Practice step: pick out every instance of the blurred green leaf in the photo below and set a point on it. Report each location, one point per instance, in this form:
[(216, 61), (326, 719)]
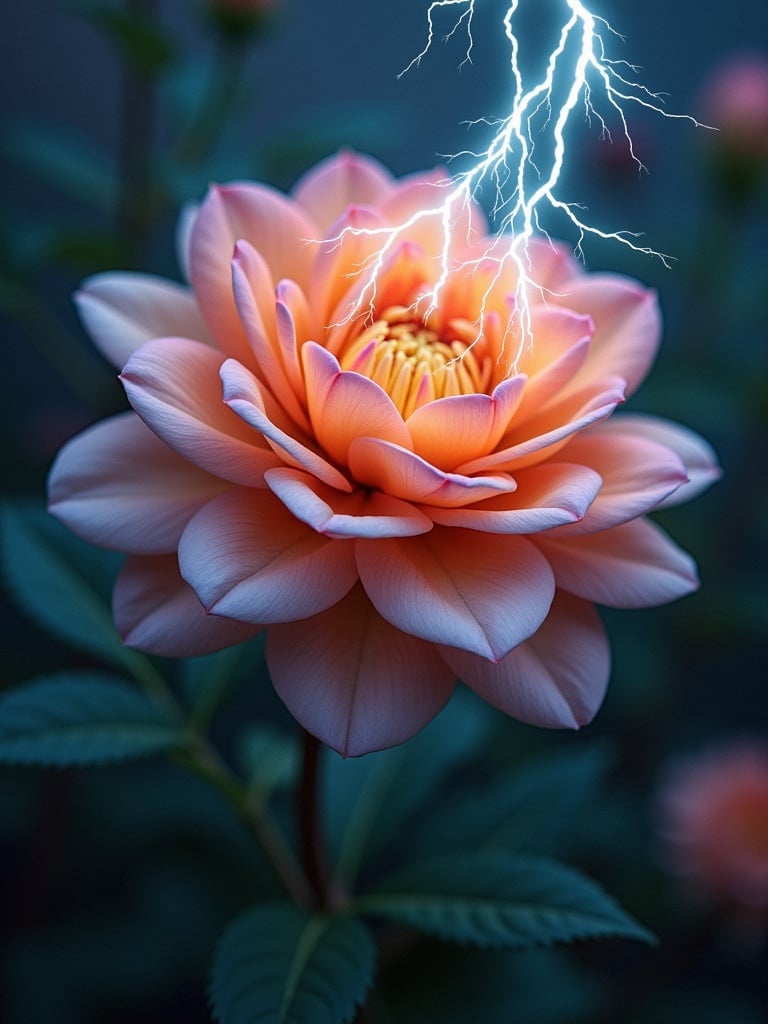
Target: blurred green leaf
[(269, 759), (207, 682), (278, 964), (135, 35), (81, 718), (499, 900)]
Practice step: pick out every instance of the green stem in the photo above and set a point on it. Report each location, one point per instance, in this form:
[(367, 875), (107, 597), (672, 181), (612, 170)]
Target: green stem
[(310, 832), (197, 142)]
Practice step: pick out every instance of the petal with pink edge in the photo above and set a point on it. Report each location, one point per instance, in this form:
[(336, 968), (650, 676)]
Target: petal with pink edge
[(698, 457), (248, 558), (344, 406), (120, 486), (556, 679), (173, 384), (183, 239), (403, 474), (346, 179), (272, 224), (353, 680), (334, 514), (631, 566), (548, 495), (157, 612), (243, 395), (123, 310), (484, 593)]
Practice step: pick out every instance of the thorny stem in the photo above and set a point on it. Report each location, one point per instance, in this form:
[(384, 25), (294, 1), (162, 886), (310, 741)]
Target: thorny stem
[(312, 847)]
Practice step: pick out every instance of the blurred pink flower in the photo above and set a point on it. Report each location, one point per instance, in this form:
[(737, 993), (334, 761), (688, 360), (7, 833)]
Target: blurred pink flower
[(714, 824), (735, 101), (387, 490)]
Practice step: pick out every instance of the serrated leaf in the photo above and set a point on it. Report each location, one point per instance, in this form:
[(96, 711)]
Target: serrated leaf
[(81, 718), (279, 964), (269, 759), (500, 900), (58, 580)]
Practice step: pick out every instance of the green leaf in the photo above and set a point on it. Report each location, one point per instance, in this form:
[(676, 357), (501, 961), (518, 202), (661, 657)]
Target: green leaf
[(81, 718), (137, 37), (500, 900), (269, 758), (278, 964), (62, 583)]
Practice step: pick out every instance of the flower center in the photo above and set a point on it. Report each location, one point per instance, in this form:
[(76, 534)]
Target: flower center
[(414, 363)]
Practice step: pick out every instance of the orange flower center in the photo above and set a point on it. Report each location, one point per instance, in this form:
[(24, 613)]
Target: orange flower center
[(416, 364)]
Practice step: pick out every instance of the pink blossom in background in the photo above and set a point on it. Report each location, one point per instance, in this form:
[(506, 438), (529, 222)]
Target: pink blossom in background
[(387, 490), (735, 101), (714, 824)]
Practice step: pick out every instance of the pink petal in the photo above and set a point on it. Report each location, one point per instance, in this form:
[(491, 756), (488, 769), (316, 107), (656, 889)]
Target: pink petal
[(424, 204), (354, 681), (548, 495), (401, 473), (627, 325), (334, 514), (346, 179), (560, 345), (123, 310), (157, 612), (272, 224), (344, 406), (243, 395), (556, 679), (631, 566), (120, 486), (698, 457), (454, 430), (173, 384), (248, 558), (294, 317), (481, 592), (184, 225)]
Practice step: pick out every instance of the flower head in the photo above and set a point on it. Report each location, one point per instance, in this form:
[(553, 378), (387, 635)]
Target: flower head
[(400, 490)]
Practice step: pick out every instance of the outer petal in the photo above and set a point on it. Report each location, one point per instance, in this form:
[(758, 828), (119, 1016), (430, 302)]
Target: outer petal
[(246, 557), (173, 384), (631, 566), (403, 474), (120, 486), (698, 457), (482, 593), (346, 179), (123, 310), (353, 680), (556, 679), (273, 224), (335, 514), (548, 495), (156, 611)]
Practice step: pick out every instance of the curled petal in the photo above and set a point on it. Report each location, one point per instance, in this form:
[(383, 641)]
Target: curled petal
[(560, 346), (346, 179), (173, 384), (247, 558), (482, 593), (556, 679), (120, 486), (335, 514), (374, 690), (184, 225), (631, 566), (123, 310), (548, 495), (157, 612)]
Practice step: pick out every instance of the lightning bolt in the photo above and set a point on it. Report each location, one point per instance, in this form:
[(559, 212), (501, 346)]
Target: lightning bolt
[(577, 71)]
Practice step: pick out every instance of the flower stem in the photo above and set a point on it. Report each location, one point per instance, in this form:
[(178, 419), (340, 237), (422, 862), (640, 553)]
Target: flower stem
[(312, 847)]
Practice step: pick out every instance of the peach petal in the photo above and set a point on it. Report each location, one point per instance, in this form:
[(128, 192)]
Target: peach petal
[(403, 474), (346, 179), (374, 690), (481, 592), (548, 495), (155, 611), (248, 559), (243, 395), (420, 203), (334, 514), (556, 679), (118, 485), (344, 406), (453, 430), (272, 224), (123, 310), (173, 384), (294, 317), (184, 225), (635, 565)]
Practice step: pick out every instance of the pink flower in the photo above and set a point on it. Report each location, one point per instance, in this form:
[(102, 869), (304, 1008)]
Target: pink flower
[(390, 493), (735, 101), (715, 824)]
